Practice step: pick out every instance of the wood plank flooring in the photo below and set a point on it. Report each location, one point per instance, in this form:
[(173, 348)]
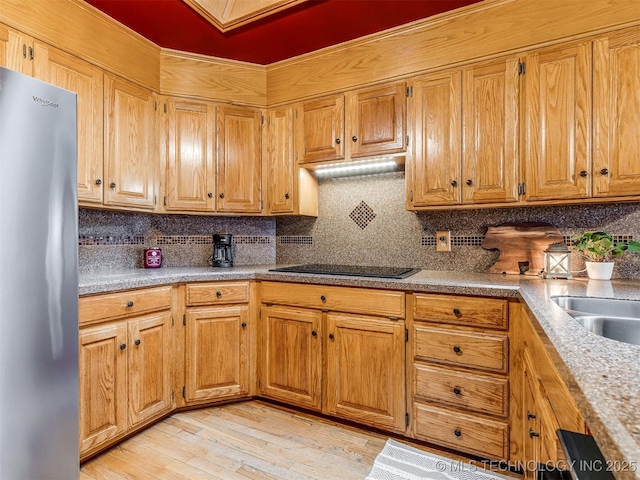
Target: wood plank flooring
[(240, 441)]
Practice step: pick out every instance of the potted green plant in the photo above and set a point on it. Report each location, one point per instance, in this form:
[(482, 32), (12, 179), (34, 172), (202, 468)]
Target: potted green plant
[(598, 250)]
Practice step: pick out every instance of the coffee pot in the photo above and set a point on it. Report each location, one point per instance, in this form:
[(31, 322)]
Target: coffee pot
[(222, 250)]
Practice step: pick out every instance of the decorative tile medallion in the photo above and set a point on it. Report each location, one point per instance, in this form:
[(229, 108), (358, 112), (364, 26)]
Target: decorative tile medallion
[(362, 215)]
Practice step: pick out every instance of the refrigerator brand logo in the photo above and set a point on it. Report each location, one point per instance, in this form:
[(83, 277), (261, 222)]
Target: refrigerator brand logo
[(45, 103)]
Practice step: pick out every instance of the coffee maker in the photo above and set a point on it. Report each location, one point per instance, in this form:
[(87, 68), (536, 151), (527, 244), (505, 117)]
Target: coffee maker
[(222, 251)]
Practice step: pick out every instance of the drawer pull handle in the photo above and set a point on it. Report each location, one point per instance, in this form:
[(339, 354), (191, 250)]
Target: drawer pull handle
[(457, 390), (457, 349), (137, 342), (323, 298), (533, 434), (530, 415), (331, 336), (123, 346), (456, 312), (314, 333), (457, 433), (244, 325), (218, 294), (129, 304)]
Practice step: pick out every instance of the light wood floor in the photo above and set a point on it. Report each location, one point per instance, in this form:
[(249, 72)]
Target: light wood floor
[(240, 441)]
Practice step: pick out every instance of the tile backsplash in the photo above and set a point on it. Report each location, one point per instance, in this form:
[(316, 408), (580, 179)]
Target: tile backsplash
[(384, 233)]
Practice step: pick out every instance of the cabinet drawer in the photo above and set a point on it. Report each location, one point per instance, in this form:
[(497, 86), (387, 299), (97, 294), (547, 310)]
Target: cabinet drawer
[(467, 349), (121, 304), (217, 293), (476, 312), (341, 299), (465, 433), (478, 393)]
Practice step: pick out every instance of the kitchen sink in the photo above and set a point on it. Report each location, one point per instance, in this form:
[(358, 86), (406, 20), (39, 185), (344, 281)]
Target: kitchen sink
[(615, 319)]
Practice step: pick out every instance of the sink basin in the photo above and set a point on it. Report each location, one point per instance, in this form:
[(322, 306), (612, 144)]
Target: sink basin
[(615, 319)]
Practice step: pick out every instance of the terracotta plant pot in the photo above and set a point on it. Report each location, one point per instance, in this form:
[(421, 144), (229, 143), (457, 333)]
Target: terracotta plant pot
[(600, 270)]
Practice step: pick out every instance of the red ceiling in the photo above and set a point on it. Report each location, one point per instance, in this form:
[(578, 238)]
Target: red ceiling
[(306, 27)]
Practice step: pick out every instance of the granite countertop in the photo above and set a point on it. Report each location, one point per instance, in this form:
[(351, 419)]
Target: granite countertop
[(602, 375)]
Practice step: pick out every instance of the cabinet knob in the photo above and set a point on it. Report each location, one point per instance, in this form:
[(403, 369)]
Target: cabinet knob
[(469, 182), (457, 433), (583, 173), (286, 195), (218, 294), (98, 182), (454, 183), (244, 325), (112, 185), (338, 141), (457, 390), (210, 195), (314, 333), (129, 304), (331, 336), (354, 138), (533, 434), (604, 171), (530, 415), (456, 349), (137, 342), (222, 195), (123, 346), (456, 312), (323, 298)]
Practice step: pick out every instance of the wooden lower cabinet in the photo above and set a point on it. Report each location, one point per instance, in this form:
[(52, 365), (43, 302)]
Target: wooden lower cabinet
[(291, 369), (217, 353), (125, 376)]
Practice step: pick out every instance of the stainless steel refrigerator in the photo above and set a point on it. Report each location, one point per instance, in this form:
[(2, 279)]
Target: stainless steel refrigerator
[(38, 280)]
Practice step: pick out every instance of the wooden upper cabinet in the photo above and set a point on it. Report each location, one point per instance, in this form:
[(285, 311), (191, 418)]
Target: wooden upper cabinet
[(149, 366), (616, 109), (558, 122), (319, 130), (365, 370), (239, 144), (16, 50), (434, 158), (190, 141), (376, 120), (130, 160), (66, 71), (490, 132), (281, 167)]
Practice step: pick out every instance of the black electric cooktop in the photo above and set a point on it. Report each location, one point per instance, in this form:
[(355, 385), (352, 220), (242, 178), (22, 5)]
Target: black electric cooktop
[(354, 270)]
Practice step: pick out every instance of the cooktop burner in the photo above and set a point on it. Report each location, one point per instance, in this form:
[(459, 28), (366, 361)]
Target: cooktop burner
[(354, 270)]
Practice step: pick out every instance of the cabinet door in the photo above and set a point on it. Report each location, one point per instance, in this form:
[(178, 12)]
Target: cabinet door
[(558, 122), (149, 348), (66, 71), (16, 51), (531, 416), (365, 370), (435, 155), (320, 130), (292, 356), (376, 119), (129, 160), (239, 159), (490, 131), (217, 353), (190, 166), (282, 184), (616, 108), (103, 383)]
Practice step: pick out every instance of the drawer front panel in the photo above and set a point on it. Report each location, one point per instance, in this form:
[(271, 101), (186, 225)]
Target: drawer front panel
[(217, 293), (123, 304), (340, 299), (475, 312), (465, 433), (467, 349), (474, 392)]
